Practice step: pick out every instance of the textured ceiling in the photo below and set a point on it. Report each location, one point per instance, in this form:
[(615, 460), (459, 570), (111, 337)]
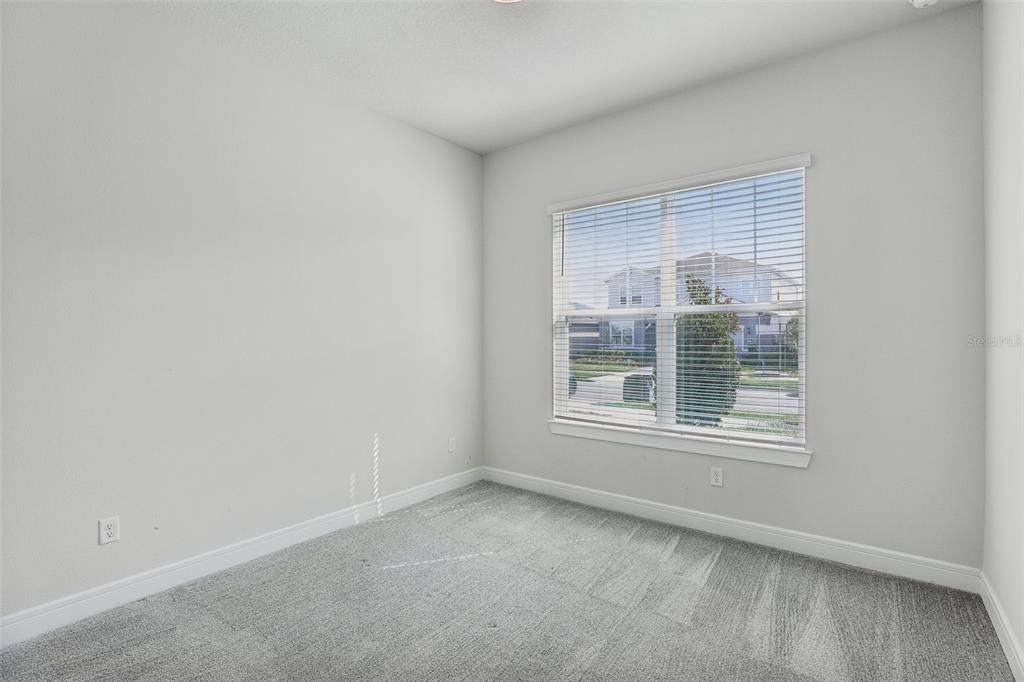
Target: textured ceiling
[(486, 75)]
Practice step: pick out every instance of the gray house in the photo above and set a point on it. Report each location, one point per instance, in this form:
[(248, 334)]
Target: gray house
[(635, 337), (742, 281)]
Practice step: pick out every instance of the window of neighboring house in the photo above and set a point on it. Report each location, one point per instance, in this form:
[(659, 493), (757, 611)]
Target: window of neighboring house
[(621, 333), (722, 254)]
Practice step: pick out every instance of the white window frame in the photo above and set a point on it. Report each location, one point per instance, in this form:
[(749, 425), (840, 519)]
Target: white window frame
[(718, 446)]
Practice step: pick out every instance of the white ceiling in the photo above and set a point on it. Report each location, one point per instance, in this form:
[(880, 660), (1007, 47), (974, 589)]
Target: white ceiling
[(486, 75)]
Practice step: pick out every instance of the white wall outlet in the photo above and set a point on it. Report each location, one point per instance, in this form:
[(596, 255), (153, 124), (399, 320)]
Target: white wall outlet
[(451, 443), (110, 530), (717, 479)]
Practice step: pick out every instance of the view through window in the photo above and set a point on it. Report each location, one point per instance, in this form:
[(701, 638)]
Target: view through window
[(684, 311)]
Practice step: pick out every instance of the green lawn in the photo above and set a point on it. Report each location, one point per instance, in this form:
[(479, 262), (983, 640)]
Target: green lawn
[(634, 406), (765, 416), (760, 422), (769, 423), (589, 370)]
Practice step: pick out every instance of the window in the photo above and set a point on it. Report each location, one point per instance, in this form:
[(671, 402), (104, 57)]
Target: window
[(712, 343), (621, 333)]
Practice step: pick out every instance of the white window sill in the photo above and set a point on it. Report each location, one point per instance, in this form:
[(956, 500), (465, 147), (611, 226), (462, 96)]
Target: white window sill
[(751, 452)]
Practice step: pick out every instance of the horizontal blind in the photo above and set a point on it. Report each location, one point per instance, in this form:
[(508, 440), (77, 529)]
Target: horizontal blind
[(684, 311)]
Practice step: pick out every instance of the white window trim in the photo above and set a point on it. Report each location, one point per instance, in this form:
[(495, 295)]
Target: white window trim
[(767, 453)]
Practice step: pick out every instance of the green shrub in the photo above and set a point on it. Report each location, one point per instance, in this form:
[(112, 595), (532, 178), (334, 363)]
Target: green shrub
[(637, 388)]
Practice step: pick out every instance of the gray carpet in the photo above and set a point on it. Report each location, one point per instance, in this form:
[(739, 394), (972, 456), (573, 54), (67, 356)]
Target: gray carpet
[(490, 582)]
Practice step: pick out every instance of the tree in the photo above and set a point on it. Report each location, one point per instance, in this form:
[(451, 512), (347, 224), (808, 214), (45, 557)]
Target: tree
[(707, 371), (792, 337)]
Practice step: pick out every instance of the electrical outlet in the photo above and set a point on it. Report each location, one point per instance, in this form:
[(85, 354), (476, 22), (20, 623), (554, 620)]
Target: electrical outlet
[(717, 479), (110, 530), (451, 443)]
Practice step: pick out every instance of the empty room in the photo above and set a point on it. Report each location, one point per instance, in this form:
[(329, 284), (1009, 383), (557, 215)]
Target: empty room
[(480, 340)]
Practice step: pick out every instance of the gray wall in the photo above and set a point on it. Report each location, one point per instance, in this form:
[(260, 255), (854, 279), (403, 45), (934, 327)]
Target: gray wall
[(1004, 222), (219, 283), (895, 277)]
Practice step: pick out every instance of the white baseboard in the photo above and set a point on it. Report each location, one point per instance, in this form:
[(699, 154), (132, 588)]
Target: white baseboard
[(1011, 645), (45, 617), (956, 576), (921, 568)]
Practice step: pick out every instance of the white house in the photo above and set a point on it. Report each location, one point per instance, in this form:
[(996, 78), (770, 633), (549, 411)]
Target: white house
[(740, 280)]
